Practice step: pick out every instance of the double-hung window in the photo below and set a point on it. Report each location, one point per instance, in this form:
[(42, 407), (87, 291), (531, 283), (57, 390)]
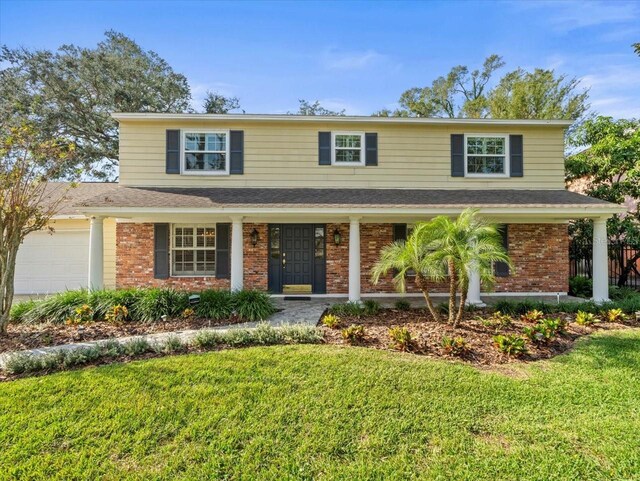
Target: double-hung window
[(205, 152), (193, 250), (486, 155), (347, 148)]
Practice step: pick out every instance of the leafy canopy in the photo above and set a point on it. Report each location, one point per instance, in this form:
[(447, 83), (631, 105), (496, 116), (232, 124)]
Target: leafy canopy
[(71, 93), (216, 103), (308, 108)]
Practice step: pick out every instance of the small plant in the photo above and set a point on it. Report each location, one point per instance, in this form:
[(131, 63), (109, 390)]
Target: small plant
[(402, 305), (137, 346), (371, 307), (353, 334), (511, 344), (82, 315), (401, 338), (188, 313), (353, 309), (614, 315), (170, 345), (545, 330), (331, 321), (454, 346), (214, 305), (117, 314), (253, 305), (498, 320), (532, 316), (585, 318), (580, 286)]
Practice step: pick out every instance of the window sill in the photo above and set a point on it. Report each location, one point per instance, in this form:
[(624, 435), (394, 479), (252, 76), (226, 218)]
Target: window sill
[(206, 174), (487, 176), (344, 164)]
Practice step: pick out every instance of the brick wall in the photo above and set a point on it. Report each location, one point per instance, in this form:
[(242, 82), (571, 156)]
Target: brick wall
[(539, 252)]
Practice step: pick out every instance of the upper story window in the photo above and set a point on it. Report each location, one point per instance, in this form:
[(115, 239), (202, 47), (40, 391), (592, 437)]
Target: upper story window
[(205, 152), (486, 155), (193, 250), (347, 148)]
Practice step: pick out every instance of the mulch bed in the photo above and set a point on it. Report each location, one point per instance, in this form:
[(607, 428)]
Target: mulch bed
[(31, 336), (427, 335)]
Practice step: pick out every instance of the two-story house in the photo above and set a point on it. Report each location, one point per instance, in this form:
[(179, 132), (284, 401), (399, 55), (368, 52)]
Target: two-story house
[(303, 205)]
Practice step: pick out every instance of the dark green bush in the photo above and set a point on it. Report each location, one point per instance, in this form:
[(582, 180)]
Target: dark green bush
[(57, 308), (371, 307), (214, 304), (252, 305), (155, 303), (580, 286), (403, 305), (347, 309), (21, 309)]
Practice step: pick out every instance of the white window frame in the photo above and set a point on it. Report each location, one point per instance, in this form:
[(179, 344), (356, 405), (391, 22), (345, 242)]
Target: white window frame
[(363, 151), (173, 248), (507, 163), (183, 151)]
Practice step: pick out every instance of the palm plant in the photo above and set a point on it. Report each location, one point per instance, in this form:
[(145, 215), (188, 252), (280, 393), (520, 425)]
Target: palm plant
[(456, 247), (403, 257)]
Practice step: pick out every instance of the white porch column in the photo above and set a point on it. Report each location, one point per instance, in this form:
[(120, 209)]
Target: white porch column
[(96, 253), (237, 255), (473, 292), (354, 259), (600, 261)]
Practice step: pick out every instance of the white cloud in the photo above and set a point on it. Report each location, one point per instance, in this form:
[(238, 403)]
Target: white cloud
[(332, 59)]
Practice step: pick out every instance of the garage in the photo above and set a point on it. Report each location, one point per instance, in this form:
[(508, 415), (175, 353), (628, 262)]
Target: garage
[(50, 263)]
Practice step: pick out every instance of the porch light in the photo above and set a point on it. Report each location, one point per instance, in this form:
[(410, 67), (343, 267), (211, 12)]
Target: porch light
[(254, 237), (337, 237)]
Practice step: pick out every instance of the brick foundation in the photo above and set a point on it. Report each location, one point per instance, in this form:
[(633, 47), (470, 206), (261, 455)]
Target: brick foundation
[(539, 252)]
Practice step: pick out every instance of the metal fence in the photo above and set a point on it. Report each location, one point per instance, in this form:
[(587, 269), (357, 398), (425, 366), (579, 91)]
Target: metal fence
[(624, 262)]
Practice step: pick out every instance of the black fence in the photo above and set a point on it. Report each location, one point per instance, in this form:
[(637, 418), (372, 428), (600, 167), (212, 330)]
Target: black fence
[(624, 262)]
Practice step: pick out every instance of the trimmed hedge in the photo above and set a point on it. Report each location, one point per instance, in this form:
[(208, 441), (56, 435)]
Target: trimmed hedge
[(145, 305)]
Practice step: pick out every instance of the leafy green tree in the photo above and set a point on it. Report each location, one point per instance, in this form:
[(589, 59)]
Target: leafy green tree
[(307, 108), (460, 93), (636, 48), (27, 200), (609, 165), (215, 103), (71, 93), (537, 95), (459, 246)]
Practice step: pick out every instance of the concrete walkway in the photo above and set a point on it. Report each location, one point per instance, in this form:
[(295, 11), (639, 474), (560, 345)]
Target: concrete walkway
[(290, 312)]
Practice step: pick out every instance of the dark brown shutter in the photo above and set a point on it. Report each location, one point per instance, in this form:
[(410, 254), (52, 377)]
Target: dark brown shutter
[(161, 251), (173, 152), (457, 155), (324, 148), (236, 143), (223, 251), (399, 232), (501, 269), (516, 158), (371, 149)]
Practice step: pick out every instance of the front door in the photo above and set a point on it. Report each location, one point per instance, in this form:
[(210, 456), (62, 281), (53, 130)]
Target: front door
[(296, 258)]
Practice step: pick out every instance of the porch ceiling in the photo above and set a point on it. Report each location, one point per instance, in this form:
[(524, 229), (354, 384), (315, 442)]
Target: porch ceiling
[(274, 202)]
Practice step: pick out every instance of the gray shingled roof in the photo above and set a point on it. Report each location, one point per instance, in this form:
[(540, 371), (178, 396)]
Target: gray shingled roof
[(143, 197), (75, 195)]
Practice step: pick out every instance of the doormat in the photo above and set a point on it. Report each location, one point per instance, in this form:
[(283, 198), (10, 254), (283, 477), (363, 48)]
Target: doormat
[(297, 298)]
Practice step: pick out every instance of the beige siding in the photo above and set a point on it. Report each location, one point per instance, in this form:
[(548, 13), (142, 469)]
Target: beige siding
[(285, 154), (109, 265)]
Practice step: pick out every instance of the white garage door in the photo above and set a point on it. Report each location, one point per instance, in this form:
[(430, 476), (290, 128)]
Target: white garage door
[(51, 263)]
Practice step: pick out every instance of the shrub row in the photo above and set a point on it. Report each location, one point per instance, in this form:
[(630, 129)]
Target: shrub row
[(629, 305), (145, 305), (64, 359)]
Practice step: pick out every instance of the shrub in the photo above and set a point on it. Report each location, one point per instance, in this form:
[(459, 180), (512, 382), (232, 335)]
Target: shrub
[(585, 318), (621, 293), (402, 305), (252, 305), (454, 346), (214, 304), (331, 321), (443, 308), (497, 320), (302, 334), (57, 308), (401, 338), (347, 309), (136, 346), (510, 344), (170, 345), (614, 315), (188, 313), (545, 330), (20, 310), (518, 308), (532, 316), (82, 315), (353, 334), (208, 339), (371, 307), (580, 286), (155, 303), (117, 314)]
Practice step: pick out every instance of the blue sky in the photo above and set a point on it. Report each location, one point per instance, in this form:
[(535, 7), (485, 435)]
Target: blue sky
[(359, 56)]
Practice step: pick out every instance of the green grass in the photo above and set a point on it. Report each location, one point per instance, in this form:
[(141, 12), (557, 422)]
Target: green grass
[(324, 412)]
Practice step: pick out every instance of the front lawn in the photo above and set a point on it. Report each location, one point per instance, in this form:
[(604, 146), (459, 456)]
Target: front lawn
[(326, 412)]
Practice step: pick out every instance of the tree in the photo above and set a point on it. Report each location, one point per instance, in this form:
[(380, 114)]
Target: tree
[(459, 94), (609, 165), (72, 92), (403, 257), (27, 201), (537, 95), (215, 103), (636, 48), (307, 108), (460, 246)]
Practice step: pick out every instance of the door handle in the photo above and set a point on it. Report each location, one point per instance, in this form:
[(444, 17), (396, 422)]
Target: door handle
[(284, 262)]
